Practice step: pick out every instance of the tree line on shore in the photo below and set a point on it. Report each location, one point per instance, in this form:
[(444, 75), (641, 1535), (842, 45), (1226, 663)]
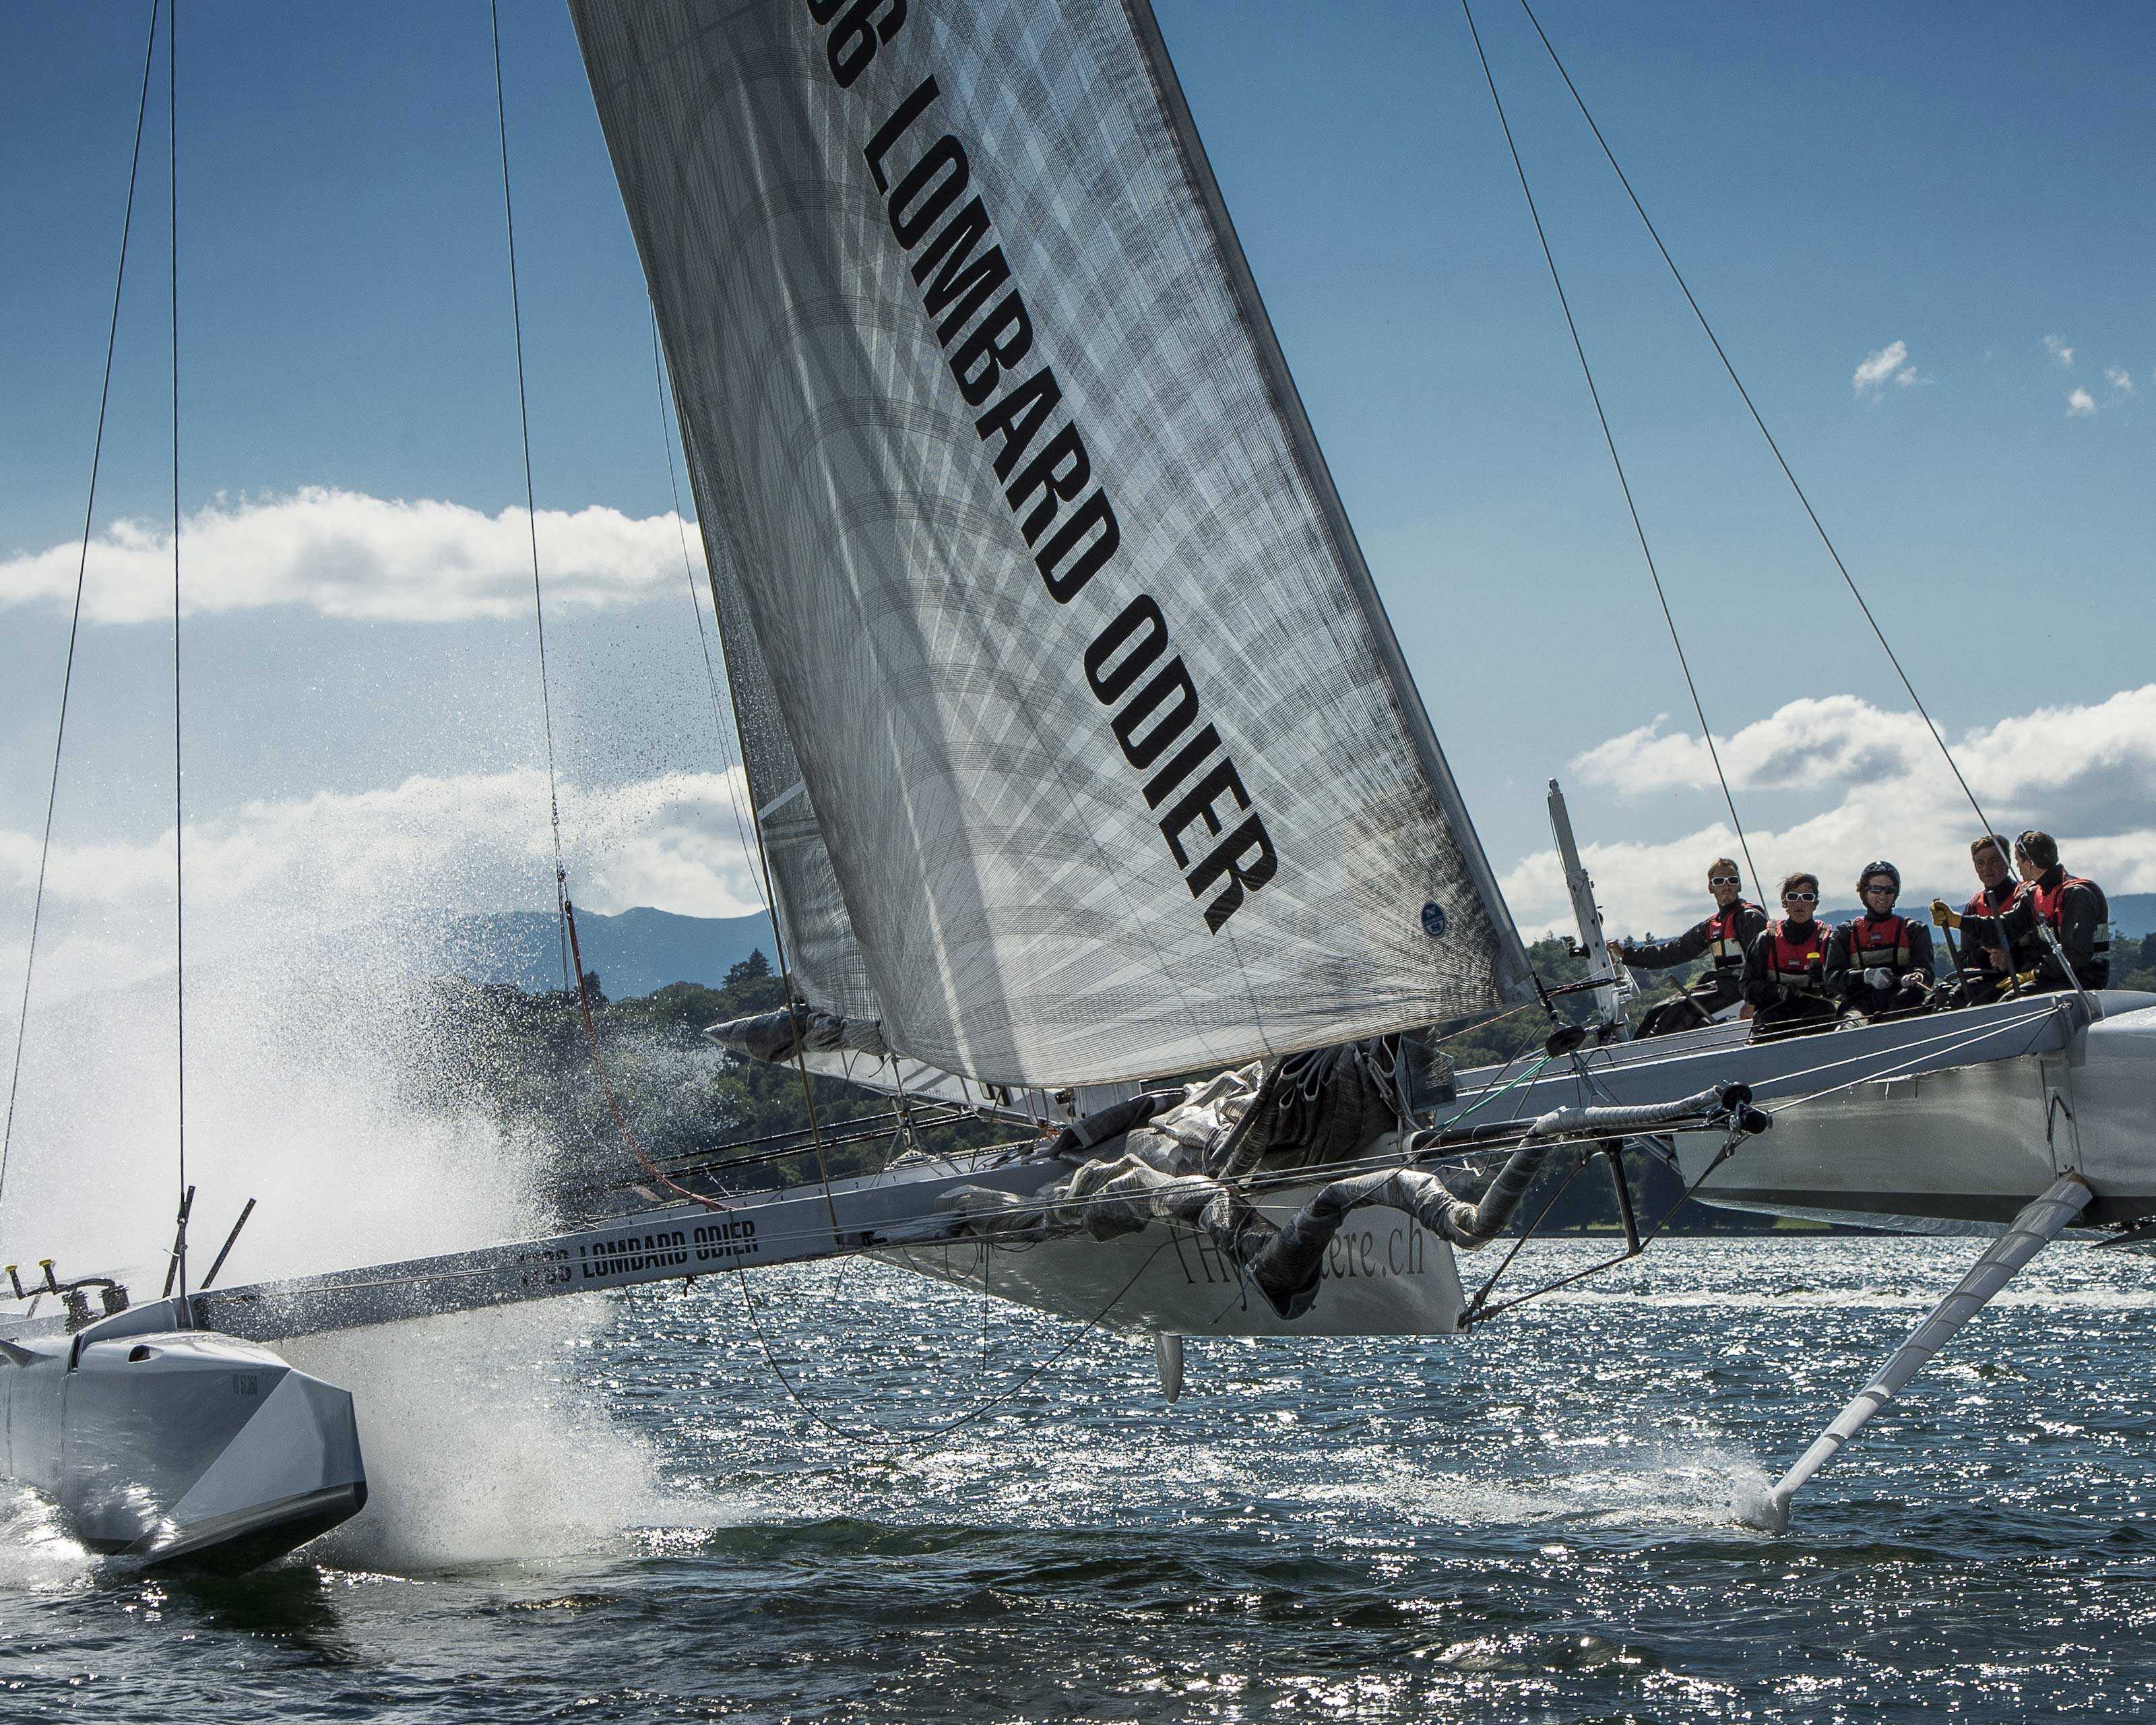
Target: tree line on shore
[(524, 1059)]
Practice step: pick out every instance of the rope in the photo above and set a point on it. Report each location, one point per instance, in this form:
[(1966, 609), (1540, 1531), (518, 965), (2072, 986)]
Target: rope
[(762, 859), (606, 1083), (1632, 506), (696, 608), (81, 574), (531, 514), (1930, 1047), (1818, 527), (179, 801)]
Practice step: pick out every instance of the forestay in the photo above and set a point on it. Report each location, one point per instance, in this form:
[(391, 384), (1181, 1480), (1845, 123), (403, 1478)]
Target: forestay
[(1114, 762)]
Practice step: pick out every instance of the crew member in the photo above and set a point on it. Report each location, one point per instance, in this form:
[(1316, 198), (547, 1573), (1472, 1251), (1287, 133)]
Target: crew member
[(1786, 966), (2074, 910), (1722, 937), (1882, 963), (1985, 971)]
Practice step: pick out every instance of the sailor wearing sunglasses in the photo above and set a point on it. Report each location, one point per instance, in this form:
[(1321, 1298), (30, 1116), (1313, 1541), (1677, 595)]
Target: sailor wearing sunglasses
[(1785, 970), (1724, 937), (1882, 963)]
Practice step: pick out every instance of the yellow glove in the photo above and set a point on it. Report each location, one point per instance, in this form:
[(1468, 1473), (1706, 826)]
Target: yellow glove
[(1944, 914)]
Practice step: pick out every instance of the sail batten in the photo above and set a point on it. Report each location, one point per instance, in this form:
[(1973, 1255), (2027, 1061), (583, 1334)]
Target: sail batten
[(1086, 750)]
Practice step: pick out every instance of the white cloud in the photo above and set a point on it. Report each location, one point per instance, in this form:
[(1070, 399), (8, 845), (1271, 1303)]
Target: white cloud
[(2086, 773), (2120, 379), (344, 554), (315, 865), (2079, 404), (2058, 350), (1890, 364)]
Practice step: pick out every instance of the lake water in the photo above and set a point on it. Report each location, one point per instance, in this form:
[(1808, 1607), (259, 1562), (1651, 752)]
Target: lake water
[(615, 1511)]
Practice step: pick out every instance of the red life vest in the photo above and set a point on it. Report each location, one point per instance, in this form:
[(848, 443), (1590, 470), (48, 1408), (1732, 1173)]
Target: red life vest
[(2050, 904), (1981, 903), (1883, 945), (1800, 965), (1722, 945), (2051, 901)]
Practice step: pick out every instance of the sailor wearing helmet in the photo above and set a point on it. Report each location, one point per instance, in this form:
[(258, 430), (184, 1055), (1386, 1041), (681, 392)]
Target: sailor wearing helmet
[(1882, 961)]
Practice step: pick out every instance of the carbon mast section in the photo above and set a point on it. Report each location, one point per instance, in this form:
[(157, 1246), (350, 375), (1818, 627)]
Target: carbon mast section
[(1081, 748)]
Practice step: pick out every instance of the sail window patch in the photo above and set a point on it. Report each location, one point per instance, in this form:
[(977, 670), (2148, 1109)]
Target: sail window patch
[(982, 323)]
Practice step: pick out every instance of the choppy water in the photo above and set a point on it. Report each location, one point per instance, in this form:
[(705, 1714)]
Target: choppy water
[(615, 1512)]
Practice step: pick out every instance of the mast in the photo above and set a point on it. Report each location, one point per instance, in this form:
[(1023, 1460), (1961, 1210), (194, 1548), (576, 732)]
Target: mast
[(1580, 886)]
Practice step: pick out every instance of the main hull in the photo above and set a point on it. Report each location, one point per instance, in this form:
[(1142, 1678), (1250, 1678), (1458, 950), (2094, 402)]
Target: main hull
[(1383, 1275)]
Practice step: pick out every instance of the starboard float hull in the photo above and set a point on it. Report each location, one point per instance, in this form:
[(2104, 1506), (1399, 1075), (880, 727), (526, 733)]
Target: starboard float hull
[(179, 1447), (1961, 1117)]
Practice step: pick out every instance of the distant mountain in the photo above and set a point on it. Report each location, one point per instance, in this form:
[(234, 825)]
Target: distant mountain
[(636, 952), (640, 952)]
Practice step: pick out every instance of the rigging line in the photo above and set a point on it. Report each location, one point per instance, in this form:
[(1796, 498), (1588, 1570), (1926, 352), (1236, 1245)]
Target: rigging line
[(882, 1436), (606, 1083), (1932, 1047), (1609, 439), (1818, 527), (688, 569), (531, 513), (81, 574), (763, 857), (179, 802)]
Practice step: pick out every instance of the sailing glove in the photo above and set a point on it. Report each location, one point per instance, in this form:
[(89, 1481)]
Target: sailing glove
[(1876, 978), (1944, 914)]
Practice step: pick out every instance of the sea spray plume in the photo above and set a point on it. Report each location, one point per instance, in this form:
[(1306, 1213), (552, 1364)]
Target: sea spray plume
[(307, 1069), (486, 1443), (315, 1088)]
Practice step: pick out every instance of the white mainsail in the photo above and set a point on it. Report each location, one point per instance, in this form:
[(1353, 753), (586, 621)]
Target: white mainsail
[(1107, 761)]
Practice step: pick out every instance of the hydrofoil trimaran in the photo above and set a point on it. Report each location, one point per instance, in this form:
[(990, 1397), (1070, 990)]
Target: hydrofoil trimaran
[(1082, 753)]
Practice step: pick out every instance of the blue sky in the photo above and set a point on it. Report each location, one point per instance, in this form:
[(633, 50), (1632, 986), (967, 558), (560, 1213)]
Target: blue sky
[(1966, 181)]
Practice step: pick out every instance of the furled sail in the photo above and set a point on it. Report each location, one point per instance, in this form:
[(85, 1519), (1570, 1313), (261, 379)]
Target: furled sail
[(1114, 762)]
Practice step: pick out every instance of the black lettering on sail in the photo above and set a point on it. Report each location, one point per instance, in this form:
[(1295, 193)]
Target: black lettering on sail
[(961, 285), (1111, 677), (1002, 338), (1088, 537), (1246, 857), (1164, 783), (931, 187), (893, 129), (1018, 416), (1223, 781), (1173, 687), (866, 26), (1059, 472), (968, 293)]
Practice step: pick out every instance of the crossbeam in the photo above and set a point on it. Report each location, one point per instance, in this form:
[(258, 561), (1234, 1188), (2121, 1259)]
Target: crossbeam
[(790, 1226)]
